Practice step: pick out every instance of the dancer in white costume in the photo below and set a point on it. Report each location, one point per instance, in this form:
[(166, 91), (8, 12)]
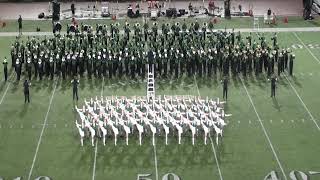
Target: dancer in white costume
[(183, 113)]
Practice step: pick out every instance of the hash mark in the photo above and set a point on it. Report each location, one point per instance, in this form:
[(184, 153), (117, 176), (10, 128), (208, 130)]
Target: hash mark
[(313, 172)]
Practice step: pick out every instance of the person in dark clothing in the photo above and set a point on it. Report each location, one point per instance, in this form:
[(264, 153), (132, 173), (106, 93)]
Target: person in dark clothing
[(75, 83), (225, 88), (18, 69), (20, 25), (292, 57), (5, 69), (273, 80), (26, 86), (73, 9), (269, 12)]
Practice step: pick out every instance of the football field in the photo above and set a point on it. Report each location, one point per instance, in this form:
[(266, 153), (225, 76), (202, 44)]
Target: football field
[(265, 138)]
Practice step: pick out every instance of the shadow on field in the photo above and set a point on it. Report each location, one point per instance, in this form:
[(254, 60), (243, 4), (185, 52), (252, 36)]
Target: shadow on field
[(296, 81), (315, 23), (50, 85), (246, 81), (276, 104), (3, 84), (16, 85), (23, 111), (282, 81), (235, 80)]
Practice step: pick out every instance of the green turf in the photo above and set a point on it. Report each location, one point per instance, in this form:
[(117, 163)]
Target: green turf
[(244, 152), (245, 22)]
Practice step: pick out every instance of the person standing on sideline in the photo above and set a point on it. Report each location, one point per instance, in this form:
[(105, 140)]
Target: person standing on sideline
[(26, 86), (292, 57), (5, 69), (20, 25), (73, 9), (225, 88), (75, 83), (273, 80)]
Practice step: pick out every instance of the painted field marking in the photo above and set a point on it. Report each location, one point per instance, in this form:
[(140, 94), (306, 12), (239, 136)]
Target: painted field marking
[(313, 172), (303, 104), (306, 47), (215, 156), (155, 161), (264, 130), (213, 148), (43, 128), (96, 146), (5, 92), (95, 161)]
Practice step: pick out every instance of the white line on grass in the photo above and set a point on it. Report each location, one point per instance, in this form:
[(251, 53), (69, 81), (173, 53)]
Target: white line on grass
[(265, 131), (215, 156), (5, 92), (213, 148), (303, 104), (155, 160), (96, 147), (95, 161), (43, 127), (306, 47)]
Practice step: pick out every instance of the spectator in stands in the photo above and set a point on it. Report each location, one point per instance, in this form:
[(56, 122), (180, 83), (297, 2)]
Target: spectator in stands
[(190, 9), (20, 25), (190, 6), (269, 15), (274, 18), (240, 8), (73, 9)]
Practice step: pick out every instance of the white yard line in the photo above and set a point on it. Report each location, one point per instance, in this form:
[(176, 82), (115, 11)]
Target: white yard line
[(42, 131), (96, 147), (95, 161), (216, 158), (213, 148), (155, 161), (306, 47), (302, 103), (5, 92), (265, 131)]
